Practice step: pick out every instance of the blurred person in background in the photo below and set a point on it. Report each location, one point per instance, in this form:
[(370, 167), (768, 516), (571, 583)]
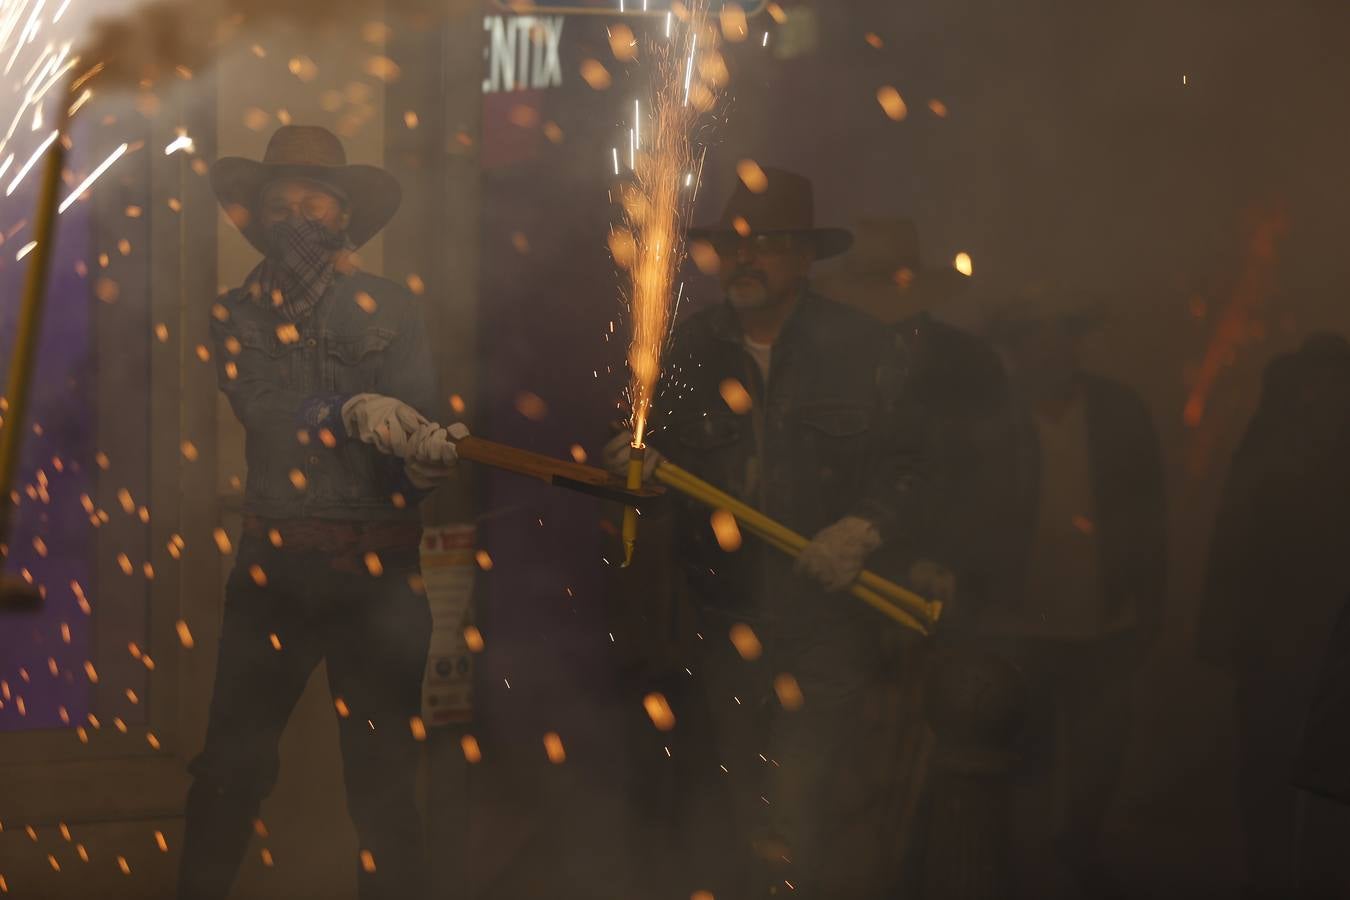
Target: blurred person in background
[(1276, 577), (1086, 572), (329, 370), (792, 403), (959, 390)]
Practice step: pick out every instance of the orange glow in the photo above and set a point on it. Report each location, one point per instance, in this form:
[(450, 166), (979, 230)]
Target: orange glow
[(736, 397), (746, 642), (752, 176), (659, 711), (726, 530), (553, 746), (789, 692), (892, 103), (472, 752)]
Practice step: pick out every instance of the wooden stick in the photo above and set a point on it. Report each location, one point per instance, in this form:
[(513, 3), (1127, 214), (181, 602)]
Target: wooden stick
[(23, 358), (558, 472)]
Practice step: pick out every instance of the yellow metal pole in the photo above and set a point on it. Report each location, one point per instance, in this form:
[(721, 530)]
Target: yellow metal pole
[(866, 595), (636, 459), (792, 543), (22, 360)]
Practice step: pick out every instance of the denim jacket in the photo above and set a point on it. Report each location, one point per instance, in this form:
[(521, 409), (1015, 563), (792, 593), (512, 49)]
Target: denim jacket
[(287, 382), (830, 435)]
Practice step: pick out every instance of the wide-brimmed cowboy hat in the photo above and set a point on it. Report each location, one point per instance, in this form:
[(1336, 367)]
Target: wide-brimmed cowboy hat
[(306, 153), (885, 276), (782, 203)]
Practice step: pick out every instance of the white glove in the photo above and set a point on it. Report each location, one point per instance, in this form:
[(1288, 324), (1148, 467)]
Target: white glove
[(383, 421), (835, 555), (431, 453), (617, 452)]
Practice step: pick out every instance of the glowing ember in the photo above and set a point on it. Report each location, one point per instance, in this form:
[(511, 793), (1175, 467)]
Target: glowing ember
[(93, 176), (658, 709), (472, 752), (553, 746), (736, 397), (746, 642), (727, 532), (892, 103), (752, 176), (473, 639), (789, 692), (595, 74)]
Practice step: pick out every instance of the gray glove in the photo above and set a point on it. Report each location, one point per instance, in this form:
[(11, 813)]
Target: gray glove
[(383, 421), (617, 452), (835, 556), (431, 453)]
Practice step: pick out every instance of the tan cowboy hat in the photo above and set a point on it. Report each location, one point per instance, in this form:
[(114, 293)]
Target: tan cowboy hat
[(884, 275), (307, 153), (785, 204)]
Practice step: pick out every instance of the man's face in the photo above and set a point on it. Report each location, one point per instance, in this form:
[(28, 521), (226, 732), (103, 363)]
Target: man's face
[(763, 270), (301, 200)]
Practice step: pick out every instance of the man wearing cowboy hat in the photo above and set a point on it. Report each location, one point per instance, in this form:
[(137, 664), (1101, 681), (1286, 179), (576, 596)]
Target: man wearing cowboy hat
[(1085, 563), (329, 370), (822, 449), (959, 388)]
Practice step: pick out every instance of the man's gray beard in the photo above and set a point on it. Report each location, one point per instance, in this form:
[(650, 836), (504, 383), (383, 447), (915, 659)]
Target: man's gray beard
[(748, 295)]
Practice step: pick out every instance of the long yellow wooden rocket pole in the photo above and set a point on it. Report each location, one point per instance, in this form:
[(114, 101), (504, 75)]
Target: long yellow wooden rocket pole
[(23, 359)]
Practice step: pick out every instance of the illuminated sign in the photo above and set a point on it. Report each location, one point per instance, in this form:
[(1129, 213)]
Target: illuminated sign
[(522, 53), (609, 7)]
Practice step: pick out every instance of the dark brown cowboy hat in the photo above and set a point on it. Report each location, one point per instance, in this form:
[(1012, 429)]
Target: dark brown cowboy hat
[(783, 204), (885, 276), (307, 153)]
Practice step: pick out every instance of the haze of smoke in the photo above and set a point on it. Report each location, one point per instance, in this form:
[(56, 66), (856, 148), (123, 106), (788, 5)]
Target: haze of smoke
[(156, 38)]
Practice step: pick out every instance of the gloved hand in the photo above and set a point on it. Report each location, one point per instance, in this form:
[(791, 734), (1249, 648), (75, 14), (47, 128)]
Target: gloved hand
[(431, 453), (383, 421), (617, 452), (835, 556)]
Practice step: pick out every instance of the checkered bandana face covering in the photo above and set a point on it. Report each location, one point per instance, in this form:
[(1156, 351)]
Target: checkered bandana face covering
[(299, 268)]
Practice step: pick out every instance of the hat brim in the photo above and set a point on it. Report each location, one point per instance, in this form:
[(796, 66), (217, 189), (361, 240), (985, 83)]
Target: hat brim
[(930, 287), (828, 242), (374, 195)]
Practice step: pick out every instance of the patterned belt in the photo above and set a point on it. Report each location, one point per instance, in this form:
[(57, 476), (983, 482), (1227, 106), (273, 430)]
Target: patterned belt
[(346, 542)]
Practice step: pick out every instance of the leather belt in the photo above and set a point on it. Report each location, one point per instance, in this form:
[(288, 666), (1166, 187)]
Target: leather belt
[(346, 542)]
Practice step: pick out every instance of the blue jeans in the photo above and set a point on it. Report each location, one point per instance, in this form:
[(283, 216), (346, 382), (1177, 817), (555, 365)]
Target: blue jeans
[(763, 822), (374, 633)]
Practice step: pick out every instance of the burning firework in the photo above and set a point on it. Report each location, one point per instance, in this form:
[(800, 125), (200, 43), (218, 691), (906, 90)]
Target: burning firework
[(688, 76)]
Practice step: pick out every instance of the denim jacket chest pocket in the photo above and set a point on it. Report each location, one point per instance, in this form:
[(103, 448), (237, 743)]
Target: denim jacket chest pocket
[(715, 446), (834, 440), (353, 361), (262, 352)]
